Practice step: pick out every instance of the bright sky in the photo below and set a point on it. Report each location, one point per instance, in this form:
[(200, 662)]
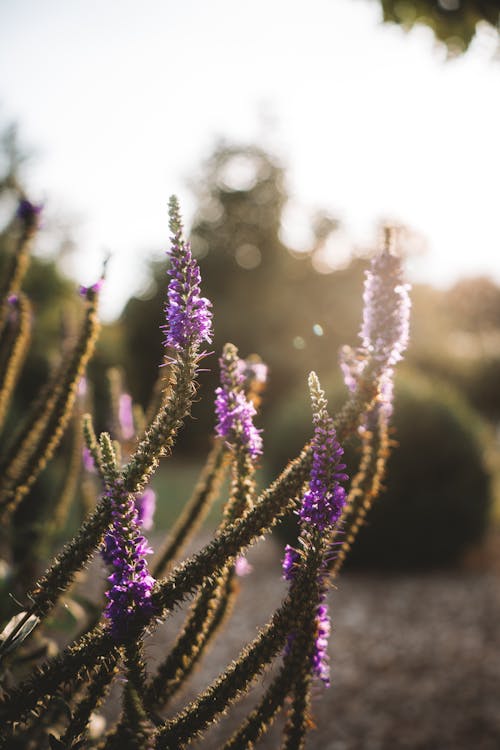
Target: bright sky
[(121, 101)]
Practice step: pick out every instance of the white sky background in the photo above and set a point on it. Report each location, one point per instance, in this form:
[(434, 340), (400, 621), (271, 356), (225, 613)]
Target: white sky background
[(121, 100)]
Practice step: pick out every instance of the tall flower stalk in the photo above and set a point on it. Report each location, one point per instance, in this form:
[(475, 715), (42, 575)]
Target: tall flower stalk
[(189, 319), (188, 326), (384, 337), (319, 513)]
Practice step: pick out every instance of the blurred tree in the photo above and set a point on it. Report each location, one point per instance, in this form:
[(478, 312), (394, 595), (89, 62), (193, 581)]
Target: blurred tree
[(456, 337), (432, 517), (266, 298), (474, 305), (454, 22)]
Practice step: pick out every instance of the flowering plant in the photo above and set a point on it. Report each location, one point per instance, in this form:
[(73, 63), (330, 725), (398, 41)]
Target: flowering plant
[(55, 702)]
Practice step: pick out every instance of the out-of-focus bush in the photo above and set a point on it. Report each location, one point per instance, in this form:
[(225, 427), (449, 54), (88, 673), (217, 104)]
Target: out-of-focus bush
[(437, 494), (267, 299)]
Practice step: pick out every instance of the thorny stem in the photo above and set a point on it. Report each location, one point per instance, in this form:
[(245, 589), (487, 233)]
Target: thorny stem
[(17, 354), (34, 453), (365, 488)]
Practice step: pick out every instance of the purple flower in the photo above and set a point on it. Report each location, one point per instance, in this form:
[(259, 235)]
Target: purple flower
[(352, 364), (189, 320), (96, 287), (290, 561), (320, 511), (146, 505), (384, 331), (82, 387), (125, 551), (385, 328), (88, 461), (319, 658), (125, 416), (233, 409), (242, 567), (324, 501), (29, 213), (320, 665)]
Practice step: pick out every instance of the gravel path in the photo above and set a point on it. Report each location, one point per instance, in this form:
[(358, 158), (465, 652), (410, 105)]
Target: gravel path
[(415, 660)]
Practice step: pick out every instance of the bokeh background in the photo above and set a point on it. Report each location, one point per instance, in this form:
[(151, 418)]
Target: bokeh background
[(291, 132)]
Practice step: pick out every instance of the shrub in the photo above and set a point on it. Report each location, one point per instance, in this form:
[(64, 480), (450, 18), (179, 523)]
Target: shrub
[(436, 497)]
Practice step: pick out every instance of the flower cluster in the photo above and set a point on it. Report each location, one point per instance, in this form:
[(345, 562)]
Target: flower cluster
[(234, 411), (320, 665), (385, 328), (125, 550), (320, 510), (188, 314), (126, 416), (290, 560), (323, 502), (145, 504)]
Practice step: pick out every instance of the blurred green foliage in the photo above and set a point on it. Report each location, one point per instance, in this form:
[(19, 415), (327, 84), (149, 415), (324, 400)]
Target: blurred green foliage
[(454, 22)]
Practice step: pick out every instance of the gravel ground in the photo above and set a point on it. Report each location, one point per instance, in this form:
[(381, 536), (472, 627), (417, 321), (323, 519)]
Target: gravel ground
[(415, 660)]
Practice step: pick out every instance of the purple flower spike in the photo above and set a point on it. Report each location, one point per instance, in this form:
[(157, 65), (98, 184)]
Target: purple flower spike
[(234, 411), (290, 561), (125, 416), (125, 550), (146, 506), (88, 461), (324, 501), (320, 665), (320, 511), (189, 320), (385, 328)]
